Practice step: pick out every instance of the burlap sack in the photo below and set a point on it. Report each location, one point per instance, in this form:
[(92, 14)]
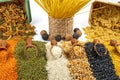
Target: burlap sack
[(60, 26)]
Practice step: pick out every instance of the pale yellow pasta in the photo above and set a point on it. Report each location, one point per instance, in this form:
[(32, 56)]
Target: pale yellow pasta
[(62, 8)]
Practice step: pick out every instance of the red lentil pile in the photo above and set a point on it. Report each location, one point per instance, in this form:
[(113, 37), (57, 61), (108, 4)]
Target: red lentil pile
[(8, 64)]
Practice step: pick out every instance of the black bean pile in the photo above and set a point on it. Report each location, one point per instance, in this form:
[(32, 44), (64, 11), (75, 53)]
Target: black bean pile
[(102, 67)]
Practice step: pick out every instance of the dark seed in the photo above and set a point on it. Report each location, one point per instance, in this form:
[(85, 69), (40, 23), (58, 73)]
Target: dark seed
[(75, 36), (63, 38), (58, 38), (76, 30), (45, 36), (43, 32)]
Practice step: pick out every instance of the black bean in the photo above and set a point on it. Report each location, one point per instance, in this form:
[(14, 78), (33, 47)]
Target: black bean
[(58, 38), (76, 30), (45, 36), (75, 36)]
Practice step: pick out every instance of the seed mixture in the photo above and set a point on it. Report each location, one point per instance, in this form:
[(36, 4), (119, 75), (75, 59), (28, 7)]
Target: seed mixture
[(105, 26), (13, 21), (78, 65), (45, 36), (102, 66), (31, 64)]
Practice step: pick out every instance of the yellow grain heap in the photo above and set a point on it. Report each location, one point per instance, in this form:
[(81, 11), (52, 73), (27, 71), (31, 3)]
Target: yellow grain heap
[(105, 26), (78, 65), (62, 8)]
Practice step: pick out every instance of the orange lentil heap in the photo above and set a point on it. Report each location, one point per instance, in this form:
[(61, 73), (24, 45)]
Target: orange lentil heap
[(7, 61), (78, 65), (13, 21), (105, 26)]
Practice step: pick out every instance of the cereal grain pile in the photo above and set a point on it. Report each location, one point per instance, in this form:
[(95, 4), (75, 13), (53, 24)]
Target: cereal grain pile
[(78, 65)]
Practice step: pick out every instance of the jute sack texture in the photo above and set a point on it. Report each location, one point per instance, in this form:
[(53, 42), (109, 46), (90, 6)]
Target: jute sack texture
[(60, 26)]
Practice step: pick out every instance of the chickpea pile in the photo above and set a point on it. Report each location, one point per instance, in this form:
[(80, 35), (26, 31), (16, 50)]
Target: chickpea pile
[(80, 70), (78, 65)]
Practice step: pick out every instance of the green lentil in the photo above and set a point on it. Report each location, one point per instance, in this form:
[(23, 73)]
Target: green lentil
[(32, 68)]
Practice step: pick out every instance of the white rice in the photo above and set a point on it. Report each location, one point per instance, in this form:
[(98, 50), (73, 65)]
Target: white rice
[(48, 53), (57, 66), (56, 51)]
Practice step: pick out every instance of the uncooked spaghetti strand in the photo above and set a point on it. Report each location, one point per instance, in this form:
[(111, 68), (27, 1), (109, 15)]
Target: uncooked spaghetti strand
[(62, 8), (80, 6), (66, 7), (70, 10)]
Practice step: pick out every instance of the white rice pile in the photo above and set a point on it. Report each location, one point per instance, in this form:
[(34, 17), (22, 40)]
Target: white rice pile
[(56, 65), (56, 52), (48, 53)]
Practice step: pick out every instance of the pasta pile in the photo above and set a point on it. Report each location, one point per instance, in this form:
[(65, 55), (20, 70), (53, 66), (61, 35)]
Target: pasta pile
[(62, 8)]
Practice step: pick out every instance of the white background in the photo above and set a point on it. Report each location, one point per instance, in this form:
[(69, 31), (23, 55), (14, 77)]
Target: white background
[(40, 18)]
